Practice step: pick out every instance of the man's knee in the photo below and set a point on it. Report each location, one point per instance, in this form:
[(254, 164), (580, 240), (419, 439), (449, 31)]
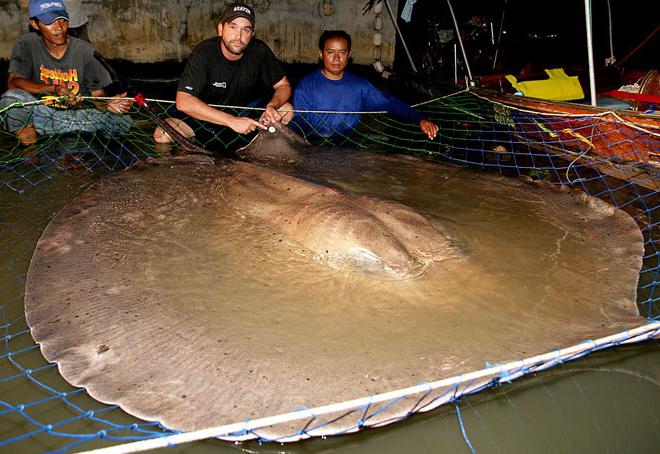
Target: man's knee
[(161, 135), (16, 95), (13, 119), (26, 135)]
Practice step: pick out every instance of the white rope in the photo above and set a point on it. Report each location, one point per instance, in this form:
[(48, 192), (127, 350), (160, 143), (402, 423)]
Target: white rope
[(441, 97), (472, 382), (23, 104), (563, 114), (466, 90), (466, 112)]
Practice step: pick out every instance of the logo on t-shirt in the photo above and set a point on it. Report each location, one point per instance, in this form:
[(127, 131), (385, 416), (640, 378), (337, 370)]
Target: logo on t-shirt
[(220, 84), (58, 77)]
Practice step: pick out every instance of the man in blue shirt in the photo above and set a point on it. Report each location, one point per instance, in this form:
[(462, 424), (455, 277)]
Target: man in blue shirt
[(332, 88)]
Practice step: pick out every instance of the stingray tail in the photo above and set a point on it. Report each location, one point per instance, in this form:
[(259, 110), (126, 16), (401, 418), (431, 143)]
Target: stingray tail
[(187, 145)]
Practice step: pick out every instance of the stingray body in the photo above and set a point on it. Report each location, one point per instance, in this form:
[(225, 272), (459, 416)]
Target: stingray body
[(343, 231), (186, 290)]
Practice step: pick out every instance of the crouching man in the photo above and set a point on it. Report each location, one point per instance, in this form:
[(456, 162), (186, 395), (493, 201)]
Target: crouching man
[(52, 63)]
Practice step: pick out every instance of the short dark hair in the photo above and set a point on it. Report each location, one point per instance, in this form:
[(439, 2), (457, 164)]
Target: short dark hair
[(329, 34)]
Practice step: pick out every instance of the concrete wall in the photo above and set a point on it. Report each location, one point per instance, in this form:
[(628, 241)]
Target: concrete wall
[(145, 31), (11, 25)]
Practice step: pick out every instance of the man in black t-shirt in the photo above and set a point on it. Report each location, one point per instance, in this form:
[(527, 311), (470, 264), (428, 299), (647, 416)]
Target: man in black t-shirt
[(232, 69)]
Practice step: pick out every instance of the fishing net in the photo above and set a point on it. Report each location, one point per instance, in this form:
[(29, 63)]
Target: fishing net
[(607, 157)]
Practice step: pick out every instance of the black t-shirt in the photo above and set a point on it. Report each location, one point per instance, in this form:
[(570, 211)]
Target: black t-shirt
[(215, 80)]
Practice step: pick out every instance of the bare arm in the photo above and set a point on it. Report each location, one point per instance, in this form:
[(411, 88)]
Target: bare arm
[(116, 105), (198, 109), (280, 97), (35, 88)]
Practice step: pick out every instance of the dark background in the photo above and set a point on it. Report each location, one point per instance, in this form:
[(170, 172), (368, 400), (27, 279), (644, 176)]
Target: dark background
[(543, 33), (538, 34)]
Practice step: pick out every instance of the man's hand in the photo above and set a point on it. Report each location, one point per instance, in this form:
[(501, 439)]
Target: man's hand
[(429, 128), (120, 106), (199, 110), (68, 98), (244, 125), (270, 115)]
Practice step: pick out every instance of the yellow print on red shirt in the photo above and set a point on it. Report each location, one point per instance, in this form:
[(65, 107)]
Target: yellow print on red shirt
[(58, 77)]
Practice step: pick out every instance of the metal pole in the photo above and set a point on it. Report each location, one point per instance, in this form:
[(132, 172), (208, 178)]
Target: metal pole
[(499, 35), (393, 17), (455, 65), (590, 51), (612, 59), (460, 40)]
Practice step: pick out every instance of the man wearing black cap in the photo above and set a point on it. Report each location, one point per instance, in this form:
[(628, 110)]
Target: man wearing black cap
[(51, 63), (233, 69)]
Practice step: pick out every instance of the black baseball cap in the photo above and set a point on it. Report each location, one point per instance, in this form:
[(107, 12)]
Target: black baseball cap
[(237, 10)]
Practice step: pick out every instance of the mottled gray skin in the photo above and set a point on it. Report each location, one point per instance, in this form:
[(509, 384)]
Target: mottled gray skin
[(343, 231), (126, 295)]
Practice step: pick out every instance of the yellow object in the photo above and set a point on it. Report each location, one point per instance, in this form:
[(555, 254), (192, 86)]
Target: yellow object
[(558, 87), (54, 101), (578, 136)]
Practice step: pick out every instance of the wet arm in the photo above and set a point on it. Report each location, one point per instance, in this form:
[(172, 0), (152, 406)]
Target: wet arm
[(399, 109), (280, 97), (118, 105), (198, 109)]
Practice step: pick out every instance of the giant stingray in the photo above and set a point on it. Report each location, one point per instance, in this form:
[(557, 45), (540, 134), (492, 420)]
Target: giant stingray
[(198, 291)]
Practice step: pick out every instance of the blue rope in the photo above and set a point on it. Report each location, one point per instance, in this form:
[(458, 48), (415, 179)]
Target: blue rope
[(460, 422), (470, 143)]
